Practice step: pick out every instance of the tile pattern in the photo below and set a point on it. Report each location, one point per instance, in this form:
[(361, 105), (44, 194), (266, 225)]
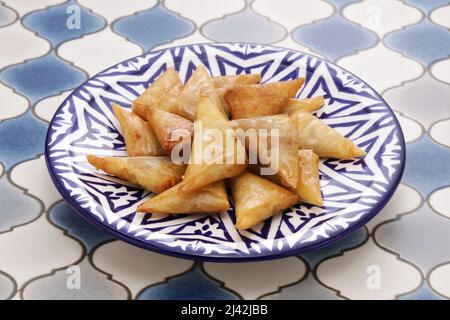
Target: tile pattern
[(402, 253)]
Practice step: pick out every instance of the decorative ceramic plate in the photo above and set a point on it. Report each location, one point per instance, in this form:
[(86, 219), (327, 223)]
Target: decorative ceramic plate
[(354, 191)]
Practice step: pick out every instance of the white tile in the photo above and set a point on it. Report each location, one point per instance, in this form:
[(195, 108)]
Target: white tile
[(98, 51), (440, 201), (412, 130), (441, 16), (369, 272), (441, 70), (440, 131), (114, 9), (33, 176), (46, 108), (22, 44), (381, 68), (293, 13), (195, 37), (254, 279), (290, 43), (36, 249), (382, 16), (11, 103), (25, 6), (201, 11), (405, 199), (135, 267), (440, 279)]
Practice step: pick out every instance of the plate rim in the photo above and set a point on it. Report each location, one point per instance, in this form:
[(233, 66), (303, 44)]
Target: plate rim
[(214, 257)]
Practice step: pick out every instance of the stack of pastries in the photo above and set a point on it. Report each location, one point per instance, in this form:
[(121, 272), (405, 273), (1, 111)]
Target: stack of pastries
[(163, 117)]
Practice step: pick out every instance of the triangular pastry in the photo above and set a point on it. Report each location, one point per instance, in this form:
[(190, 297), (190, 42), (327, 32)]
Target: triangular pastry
[(224, 161), (248, 101), (287, 151), (162, 93), (209, 199), (256, 199), (140, 140), (306, 105), (199, 84), (308, 188), (224, 83), (155, 174), (322, 139), (170, 129)]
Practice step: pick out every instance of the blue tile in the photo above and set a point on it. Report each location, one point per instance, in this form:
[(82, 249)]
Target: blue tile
[(42, 77), (67, 218), (353, 240), (21, 138), (334, 37), (427, 5), (16, 207), (424, 292), (244, 26), (56, 23), (421, 237), (6, 287), (427, 165), (425, 41), (7, 15), (153, 27), (193, 285)]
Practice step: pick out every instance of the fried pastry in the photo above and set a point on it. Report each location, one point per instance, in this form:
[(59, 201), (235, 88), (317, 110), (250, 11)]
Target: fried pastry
[(155, 174), (308, 188), (287, 150), (306, 105), (170, 129), (248, 101), (199, 84), (256, 199), (210, 199), (140, 139), (322, 139), (223, 162), (162, 93)]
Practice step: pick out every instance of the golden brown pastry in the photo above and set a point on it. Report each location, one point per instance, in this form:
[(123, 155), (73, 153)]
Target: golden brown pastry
[(256, 199), (140, 140), (223, 83), (162, 93), (210, 199), (308, 188), (155, 174), (322, 139), (306, 105), (248, 101), (170, 129), (224, 163), (199, 84), (287, 145)]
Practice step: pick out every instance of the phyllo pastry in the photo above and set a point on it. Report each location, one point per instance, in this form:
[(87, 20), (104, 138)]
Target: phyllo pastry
[(170, 129), (155, 174), (224, 83), (306, 105), (308, 188), (223, 161), (199, 84), (209, 199), (256, 199), (286, 153), (247, 101), (162, 93), (140, 139), (322, 139)]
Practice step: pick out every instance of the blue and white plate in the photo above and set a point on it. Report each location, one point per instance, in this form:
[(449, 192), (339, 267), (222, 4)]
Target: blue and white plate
[(354, 191)]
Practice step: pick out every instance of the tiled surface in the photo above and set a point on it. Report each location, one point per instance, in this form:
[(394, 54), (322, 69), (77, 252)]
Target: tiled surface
[(402, 48)]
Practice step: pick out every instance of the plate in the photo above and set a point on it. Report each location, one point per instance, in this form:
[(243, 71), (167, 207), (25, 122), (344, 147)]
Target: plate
[(354, 191)]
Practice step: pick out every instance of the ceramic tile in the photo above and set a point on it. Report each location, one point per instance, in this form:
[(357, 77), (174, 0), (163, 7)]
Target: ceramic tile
[(7, 15), (369, 272), (46, 108), (441, 70), (428, 5), (440, 279), (6, 286), (111, 10), (439, 201), (12, 104), (441, 16)]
